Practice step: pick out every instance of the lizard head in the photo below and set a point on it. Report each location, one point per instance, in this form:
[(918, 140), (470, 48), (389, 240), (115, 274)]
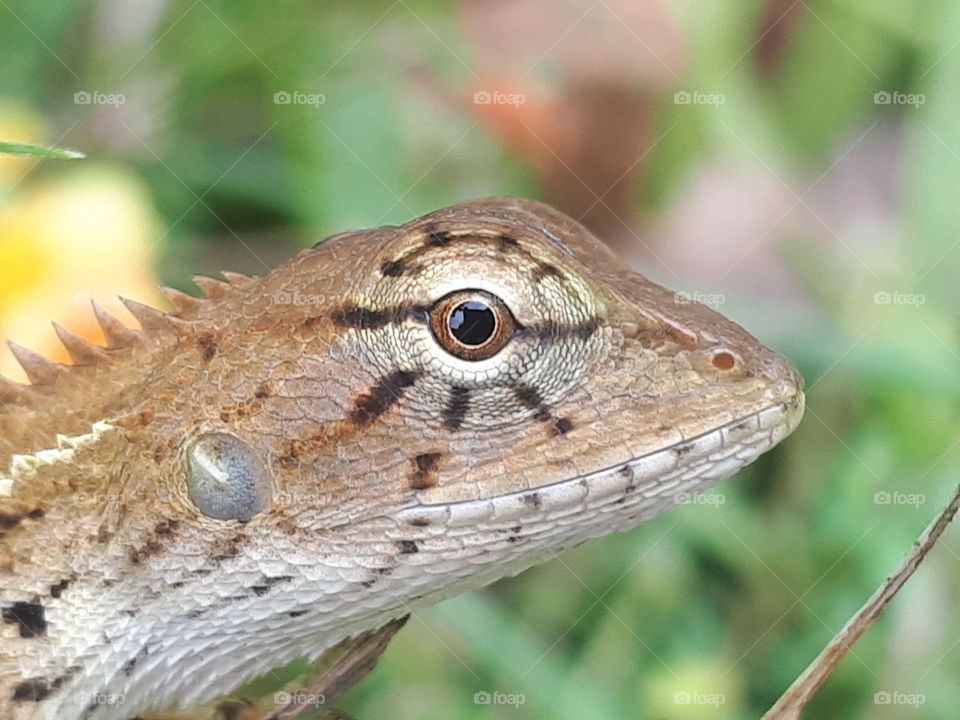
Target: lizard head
[(386, 419)]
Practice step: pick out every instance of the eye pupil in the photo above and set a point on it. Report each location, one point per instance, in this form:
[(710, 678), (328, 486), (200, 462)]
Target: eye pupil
[(473, 322)]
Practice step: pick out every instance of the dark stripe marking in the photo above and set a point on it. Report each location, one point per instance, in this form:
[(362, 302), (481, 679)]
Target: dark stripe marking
[(545, 270), (457, 407), (384, 395), (552, 331), (367, 319), (263, 587), (507, 241), (392, 268), (438, 238), (531, 398)]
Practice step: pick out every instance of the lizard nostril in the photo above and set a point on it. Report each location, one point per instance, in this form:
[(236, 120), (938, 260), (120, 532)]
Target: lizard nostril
[(724, 360)]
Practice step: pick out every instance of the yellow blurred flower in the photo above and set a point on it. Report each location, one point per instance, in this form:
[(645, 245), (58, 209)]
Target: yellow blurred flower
[(84, 233)]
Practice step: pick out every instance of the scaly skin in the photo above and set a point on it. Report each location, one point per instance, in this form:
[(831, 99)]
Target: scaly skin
[(397, 474)]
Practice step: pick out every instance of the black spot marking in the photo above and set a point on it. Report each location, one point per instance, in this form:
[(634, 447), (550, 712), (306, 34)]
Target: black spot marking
[(263, 587), (533, 500), (438, 238), (384, 395), (129, 666), (150, 548), (29, 616), (457, 406), (420, 522), (424, 475), (262, 392), (32, 690), (384, 571), (407, 547), (207, 344), (368, 583), (166, 527), (312, 320), (296, 613), (178, 584), (562, 425), (682, 449), (392, 268), (8, 521), (36, 514), (507, 241), (57, 590)]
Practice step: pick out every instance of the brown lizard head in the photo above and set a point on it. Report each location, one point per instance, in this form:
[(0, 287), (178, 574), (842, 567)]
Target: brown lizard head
[(394, 416)]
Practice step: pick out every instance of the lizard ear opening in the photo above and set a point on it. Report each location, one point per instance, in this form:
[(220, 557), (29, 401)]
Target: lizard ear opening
[(226, 480)]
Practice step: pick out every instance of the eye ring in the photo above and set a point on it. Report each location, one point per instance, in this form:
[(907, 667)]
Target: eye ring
[(472, 324)]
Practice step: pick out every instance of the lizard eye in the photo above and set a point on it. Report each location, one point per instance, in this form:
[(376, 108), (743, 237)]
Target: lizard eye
[(472, 324)]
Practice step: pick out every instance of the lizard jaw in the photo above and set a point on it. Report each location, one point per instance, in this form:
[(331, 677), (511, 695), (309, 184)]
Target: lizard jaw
[(636, 490)]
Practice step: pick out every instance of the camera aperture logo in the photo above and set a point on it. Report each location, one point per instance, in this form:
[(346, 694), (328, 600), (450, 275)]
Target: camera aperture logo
[(295, 97), (483, 697), (95, 97), (496, 97)]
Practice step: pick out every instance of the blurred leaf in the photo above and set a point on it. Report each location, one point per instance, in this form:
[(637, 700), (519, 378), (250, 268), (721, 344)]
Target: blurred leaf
[(12, 148)]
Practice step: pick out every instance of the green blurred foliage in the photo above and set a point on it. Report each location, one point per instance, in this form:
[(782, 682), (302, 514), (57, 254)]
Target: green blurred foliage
[(729, 599)]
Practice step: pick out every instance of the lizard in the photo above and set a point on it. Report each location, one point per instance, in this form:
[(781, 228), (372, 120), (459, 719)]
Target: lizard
[(390, 418)]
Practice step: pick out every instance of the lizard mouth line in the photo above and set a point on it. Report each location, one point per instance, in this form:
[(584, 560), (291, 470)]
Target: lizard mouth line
[(653, 481)]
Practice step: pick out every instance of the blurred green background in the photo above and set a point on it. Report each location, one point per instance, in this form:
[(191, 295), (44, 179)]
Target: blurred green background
[(794, 164)]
